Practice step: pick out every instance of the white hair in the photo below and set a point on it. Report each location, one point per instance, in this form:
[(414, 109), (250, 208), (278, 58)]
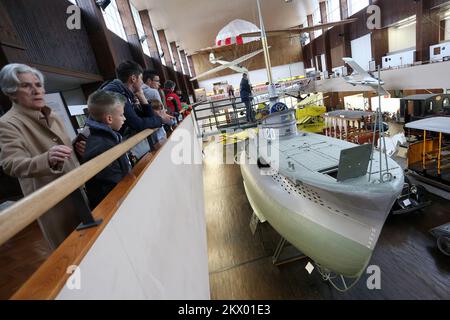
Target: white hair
[(9, 81)]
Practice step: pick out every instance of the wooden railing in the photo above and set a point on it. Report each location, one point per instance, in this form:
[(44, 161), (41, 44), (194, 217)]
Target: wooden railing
[(47, 282), (27, 210)]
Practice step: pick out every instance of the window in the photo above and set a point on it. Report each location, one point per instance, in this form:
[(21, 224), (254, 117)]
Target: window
[(317, 19), (113, 20), (171, 56), (355, 6), (158, 43), (140, 30), (334, 10), (306, 34)]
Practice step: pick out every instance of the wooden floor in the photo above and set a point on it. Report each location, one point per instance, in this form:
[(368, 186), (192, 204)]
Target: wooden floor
[(240, 264), (20, 257)]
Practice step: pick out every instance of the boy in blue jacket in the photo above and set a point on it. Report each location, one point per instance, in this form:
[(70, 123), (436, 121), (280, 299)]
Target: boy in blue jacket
[(106, 117)]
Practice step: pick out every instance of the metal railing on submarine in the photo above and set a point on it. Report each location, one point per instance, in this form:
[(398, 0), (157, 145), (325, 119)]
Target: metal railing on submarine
[(222, 116)]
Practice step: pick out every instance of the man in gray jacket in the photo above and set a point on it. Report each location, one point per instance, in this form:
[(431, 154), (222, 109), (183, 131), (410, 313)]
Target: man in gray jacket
[(151, 86)]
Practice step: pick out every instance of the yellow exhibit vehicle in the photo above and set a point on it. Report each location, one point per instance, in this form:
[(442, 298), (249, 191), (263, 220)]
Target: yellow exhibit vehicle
[(309, 118), (429, 156)]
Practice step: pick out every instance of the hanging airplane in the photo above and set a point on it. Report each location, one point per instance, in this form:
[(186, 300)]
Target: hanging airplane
[(363, 78), (233, 65), (300, 30)]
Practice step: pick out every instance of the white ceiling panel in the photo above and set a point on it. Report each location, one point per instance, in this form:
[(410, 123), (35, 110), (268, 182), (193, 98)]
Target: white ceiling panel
[(194, 24)]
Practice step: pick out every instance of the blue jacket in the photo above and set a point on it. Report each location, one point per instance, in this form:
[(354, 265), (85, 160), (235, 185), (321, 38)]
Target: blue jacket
[(138, 117), (245, 90), (101, 139)]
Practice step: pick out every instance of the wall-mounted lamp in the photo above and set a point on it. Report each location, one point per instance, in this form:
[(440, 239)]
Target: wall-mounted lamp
[(102, 3), (143, 38)]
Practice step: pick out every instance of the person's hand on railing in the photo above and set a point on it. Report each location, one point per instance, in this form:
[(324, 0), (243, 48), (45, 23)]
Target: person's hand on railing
[(58, 154), (166, 118), (80, 147)]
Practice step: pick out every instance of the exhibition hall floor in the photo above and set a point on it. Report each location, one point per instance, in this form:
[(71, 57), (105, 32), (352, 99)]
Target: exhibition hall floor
[(240, 263)]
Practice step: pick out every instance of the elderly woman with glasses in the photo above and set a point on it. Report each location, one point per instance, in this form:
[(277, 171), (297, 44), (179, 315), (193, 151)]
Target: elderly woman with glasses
[(34, 146)]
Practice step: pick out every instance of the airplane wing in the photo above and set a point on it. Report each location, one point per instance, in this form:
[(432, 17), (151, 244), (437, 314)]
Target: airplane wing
[(209, 72), (238, 69), (208, 50), (356, 67), (232, 65), (297, 30), (382, 92), (246, 57)]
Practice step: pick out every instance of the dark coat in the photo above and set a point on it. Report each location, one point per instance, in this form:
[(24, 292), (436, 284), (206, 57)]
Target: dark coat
[(101, 139), (138, 117), (245, 90)]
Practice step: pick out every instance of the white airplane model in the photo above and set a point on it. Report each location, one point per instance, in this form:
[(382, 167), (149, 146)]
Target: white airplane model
[(363, 78), (233, 65)]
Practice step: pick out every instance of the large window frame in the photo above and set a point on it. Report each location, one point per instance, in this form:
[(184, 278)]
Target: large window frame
[(140, 29), (113, 20), (334, 10), (355, 6), (317, 18)]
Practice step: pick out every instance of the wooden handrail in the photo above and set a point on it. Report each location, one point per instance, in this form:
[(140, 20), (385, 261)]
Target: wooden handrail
[(50, 278), (21, 214), (47, 282)]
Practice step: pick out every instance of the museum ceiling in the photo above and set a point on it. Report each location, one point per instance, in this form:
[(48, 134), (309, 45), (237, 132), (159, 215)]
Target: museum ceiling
[(194, 24)]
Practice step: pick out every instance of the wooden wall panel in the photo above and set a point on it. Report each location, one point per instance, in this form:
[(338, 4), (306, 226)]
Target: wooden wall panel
[(437, 3), (121, 48), (192, 65), (337, 53), (165, 48), (148, 29), (159, 69), (149, 63), (184, 62), (358, 28), (427, 33), (129, 26), (165, 74), (176, 57), (319, 47), (380, 45), (100, 38), (41, 26), (283, 51), (391, 14)]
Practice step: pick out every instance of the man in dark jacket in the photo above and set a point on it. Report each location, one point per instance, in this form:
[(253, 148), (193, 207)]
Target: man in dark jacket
[(138, 112), (246, 97), (106, 111)]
